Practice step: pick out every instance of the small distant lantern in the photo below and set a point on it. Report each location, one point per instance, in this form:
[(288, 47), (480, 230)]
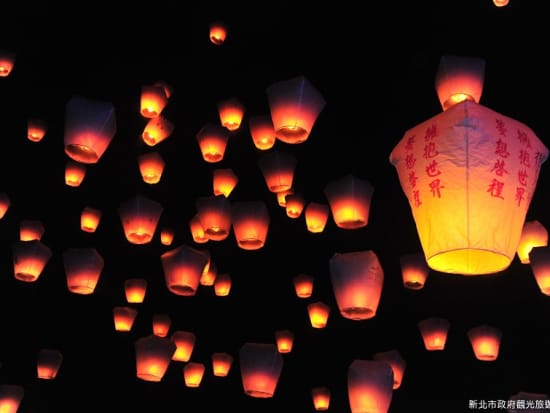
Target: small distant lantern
[(7, 62), (281, 196), (250, 220), (185, 343), (135, 289), (262, 132), (151, 167), (161, 324), (295, 105), (224, 181), (222, 285), (75, 172), (284, 340), (370, 386), (321, 398), (36, 129), (5, 204), (316, 216), (124, 317), (485, 341), (153, 100), (221, 364), (214, 213), (157, 130), (140, 216), (197, 230), (83, 268), (29, 259), (166, 236), (501, 3), (295, 204), (48, 363), (89, 219), (540, 266), (261, 366), (318, 314), (278, 170), (434, 331), (397, 363), (212, 140), (90, 126), (349, 199), (208, 277), (218, 33), (11, 395), (357, 280), (153, 356), (193, 373), (534, 234), (414, 270), (231, 113), (303, 285), (183, 267), (31, 229)]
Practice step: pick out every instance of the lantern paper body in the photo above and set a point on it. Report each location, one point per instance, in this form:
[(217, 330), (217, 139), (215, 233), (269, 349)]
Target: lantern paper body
[(135, 289), (540, 266), (357, 279), (485, 341), (214, 213), (370, 386), (222, 285), (224, 181), (166, 236), (434, 332), (321, 398), (193, 373), (261, 366), (157, 130), (217, 33), (318, 314), (5, 204), (295, 204), (75, 173), (231, 113), (36, 129), (303, 285), (151, 167), (153, 356), (197, 230), (221, 364), (284, 340), (316, 216), (89, 219), (262, 132), (414, 270), (90, 126), (534, 234), (183, 267), (7, 62), (278, 170), (250, 220), (212, 140), (209, 276), (185, 343), (153, 100), (31, 229), (48, 364), (161, 324), (469, 175), (281, 196), (501, 3), (123, 318), (29, 259), (349, 199), (397, 363), (83, 268), (11, 396), (139, 217), (295, 105)]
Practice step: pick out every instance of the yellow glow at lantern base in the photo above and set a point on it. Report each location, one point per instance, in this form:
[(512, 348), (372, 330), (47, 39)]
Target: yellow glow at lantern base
[(292, 134), (81, 153), (184, 290), (139, 237), (357, 313), (457, 98), (26, 277), (469, 262)]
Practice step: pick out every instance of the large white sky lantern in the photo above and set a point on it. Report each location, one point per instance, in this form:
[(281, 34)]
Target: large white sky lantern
[(469, 174)]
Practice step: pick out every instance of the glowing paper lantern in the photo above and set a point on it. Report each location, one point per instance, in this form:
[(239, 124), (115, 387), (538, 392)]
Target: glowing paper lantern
[(434, 332), (153, 356), (151, 167), (295, 204), (193, 373), (140, 216), (222, 285), (501, 3), (90, 126), (7, 62), (262, 132), (303, 285), (31, 229), (135, 289), (157, 130), (397, 363), (29, 259), (36, 129), (357, 279), (540, 265), (185, 343), (153, 100), (48, 363), (349, 199), (321, 398), (214, 213), (124, 317), (224, 181), (318, 314), (414, 270), (370, 386), (261, 366), (469, 174), (221, 364), (284, 340), (11, 396), (281, 196), (533, 234), (231, 113), (197, 230), (250, 220), (183, 267), (74, 173), (166, 236), (212, 140), (458, 79), (316, 216), (295, 105), (208, 277), (217, 33), (5, 204), (278, 170), (485, 341), (83, 268), (89, 219), (161, 324)]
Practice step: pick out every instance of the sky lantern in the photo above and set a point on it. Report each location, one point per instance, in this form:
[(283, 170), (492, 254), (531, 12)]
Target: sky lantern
[(485, 341), (414, 270), (7, 62), (303, 285), (321, 397), (185, 344), (316, 216), (11, 396), (397, 363), (349, 199), (217, 33), (357, 279), (193, 373), (161, 324), (153, 100), (214, 214), (501, 3), (183, 267), (221, 363), (434, 331), (295, 105), (5, 204), (153, 356), (124, 317), (281, 196), (75, 172), (29, 259), (284, 340), (166, 236), (135, 289), (139, 216), (318, 313), (222, 284), (370, 386), (157, 130), (224, 180), (295, 204), (90, 126), (83, 267), (208, 277), (36, 129), (197, 230), (48, 363), (151, 166), (212, 140), (262, 132), (261, 366), (250, 221), (278, 170), (31, 229), (89, 219), (540, 266), (231, 112), (533, 234)]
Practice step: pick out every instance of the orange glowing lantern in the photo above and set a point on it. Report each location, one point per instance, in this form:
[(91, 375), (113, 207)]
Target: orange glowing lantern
[(123, 318), (185, 343), (140, 216), (197, 230), (231, 113), (262, 132), (166, 236), (295, 105), (83, 268), (209, 276), (475, 172), (303, 285), (7, 62), (89, 219), (414, 270), (193, 373), (212, 140), (284, 340), (224, 181), (214, 213), (501, 3), (534, 234), (90, 126), (154, 99), (183, 267), (151, 167), (135, 289), (459, 79), (161, 324), (5, 204), (321, 398), (278, 170), (318, 314), (485, 341), (434, 331), (74, 173), (370, 386), (397, 363), (157, 130), (31, 229), (218, 33), (221, 364), (349, 199), (261, 366), (357, 279), (29, 259), (316, 215), (11, 395), (36, 129), (281, 197), (540, 265), (48, 363), (222, 285), (153, 356), (250, 224)]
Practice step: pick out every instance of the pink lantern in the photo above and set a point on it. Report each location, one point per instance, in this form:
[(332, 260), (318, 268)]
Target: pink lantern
[(83, 268), (140, 216), (261, 366), (153, 356), (349, 199), (48, 363), (250, 220), (214, 214), (29, 259), (183, 267), (414, 270), (370, 386), (278, 170)]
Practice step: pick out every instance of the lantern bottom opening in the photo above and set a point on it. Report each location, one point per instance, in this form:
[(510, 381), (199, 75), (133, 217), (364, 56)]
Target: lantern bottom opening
[(183, 290), (357, 313), (81, 153), (468, 261), (292, 134)]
